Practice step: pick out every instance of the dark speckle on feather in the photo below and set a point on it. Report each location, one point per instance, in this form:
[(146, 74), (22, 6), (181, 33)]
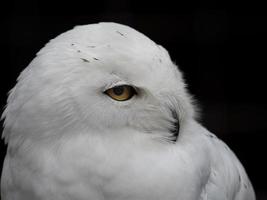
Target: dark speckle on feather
[(84, 60), (120, 33), (160, 60), (72, 44), (210, 135), (78, 51), (245, 185), (96, 58), (239, 178)]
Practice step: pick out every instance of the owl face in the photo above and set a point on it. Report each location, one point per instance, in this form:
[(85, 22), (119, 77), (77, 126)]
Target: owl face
[(99, 78)]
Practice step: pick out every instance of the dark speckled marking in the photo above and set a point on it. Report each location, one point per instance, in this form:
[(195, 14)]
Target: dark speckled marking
[(239, 178), (84, 60), (245, 185), (78, 51), (96, 58), (160, 60), (120, 33), (72, 44), (91, 46), (211, 136)]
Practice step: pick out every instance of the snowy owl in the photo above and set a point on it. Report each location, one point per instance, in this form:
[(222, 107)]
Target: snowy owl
[(102, 113)]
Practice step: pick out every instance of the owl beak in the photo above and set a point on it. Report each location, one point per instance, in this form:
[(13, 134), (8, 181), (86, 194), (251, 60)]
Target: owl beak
[(176, 126)]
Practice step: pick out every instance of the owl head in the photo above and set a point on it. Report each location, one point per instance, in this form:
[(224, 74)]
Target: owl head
[(98, 79)]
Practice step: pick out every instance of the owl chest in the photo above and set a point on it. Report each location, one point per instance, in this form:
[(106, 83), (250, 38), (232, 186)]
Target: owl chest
[(119, 173), (102, 172)]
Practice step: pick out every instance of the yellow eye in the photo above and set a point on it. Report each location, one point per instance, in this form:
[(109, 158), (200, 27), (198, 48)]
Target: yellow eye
[(121, 93)]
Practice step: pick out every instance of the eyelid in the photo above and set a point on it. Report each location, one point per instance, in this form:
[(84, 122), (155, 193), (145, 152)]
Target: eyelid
[(115, 84)]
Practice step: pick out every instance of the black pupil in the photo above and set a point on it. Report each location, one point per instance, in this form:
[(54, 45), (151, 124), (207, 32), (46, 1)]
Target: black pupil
[(118, 90)]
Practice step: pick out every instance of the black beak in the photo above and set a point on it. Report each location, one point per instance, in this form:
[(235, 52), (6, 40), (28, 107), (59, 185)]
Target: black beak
[(176, 127)]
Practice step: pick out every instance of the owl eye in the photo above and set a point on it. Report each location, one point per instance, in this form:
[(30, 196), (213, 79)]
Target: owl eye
[(121, 92)]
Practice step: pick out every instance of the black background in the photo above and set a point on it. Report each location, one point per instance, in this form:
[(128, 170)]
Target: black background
[(219, 45)]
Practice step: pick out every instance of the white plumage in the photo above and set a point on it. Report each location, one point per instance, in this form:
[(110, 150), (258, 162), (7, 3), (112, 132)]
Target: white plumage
[(68, 139)]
